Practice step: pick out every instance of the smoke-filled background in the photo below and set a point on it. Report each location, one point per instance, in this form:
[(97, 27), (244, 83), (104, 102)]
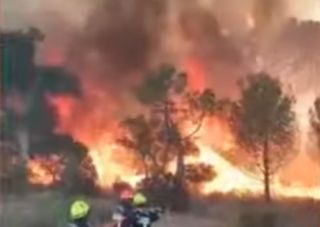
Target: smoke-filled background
[(109, 45), (121, 39)]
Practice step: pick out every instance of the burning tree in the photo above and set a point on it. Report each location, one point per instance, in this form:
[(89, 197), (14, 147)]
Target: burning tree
[(142, 138), (175, 115), (28, 120), (61, 152), (315, 121), (263, 120), (17, 74)]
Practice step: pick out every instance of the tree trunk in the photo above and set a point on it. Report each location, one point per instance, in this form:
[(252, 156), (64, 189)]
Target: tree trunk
[(146, 169), (180, 164), (23, 141), (156, 168), (181, 199), (266, 171)]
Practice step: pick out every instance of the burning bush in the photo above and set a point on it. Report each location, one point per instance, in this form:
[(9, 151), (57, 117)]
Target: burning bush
[(45, 170), (160, 189), (65, 164)]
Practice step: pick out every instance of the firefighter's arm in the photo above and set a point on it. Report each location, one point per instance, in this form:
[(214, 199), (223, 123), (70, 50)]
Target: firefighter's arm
[(155, 214)]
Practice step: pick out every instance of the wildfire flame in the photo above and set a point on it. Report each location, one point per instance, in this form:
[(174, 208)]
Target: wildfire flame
[(113, 163), (230, 179), (44, 171), (89, 122)]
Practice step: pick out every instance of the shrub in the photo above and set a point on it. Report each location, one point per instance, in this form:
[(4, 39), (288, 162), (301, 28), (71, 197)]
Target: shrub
[(164, 191)]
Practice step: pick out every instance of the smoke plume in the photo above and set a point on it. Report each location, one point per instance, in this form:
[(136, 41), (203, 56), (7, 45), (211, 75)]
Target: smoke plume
[(112, 44)]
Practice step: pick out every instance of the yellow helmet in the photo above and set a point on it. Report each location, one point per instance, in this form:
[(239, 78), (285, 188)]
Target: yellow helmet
[(79, 209), (139, 199)]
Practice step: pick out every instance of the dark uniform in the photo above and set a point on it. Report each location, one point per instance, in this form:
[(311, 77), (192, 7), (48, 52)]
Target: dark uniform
[(145, 217), (124, 215)]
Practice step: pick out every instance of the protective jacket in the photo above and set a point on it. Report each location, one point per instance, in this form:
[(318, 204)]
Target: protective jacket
[(123, 216)]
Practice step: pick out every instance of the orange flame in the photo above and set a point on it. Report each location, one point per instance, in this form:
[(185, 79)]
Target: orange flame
[(98, 132), (90, 121), (231, 179), (113, 163), (44, 171)]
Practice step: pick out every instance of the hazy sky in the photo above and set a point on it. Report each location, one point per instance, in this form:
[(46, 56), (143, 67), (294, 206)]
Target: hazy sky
[(21, 13), (39, 12)]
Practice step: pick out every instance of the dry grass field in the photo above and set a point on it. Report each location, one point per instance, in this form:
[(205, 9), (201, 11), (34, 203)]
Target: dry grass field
[(49, 210)]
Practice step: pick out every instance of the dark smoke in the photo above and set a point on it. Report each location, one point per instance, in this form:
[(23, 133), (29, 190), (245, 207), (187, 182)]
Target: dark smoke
[(123, 34), (117, 41), (294, 56), (201, 27), (122, 40)]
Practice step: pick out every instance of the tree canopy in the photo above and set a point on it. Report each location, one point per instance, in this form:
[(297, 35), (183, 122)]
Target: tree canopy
[(165, 131), (264, 122)]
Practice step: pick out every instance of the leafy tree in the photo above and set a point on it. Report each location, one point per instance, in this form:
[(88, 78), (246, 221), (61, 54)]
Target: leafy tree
[(160, 135), (315, 121), (264, 123), (165, 92)]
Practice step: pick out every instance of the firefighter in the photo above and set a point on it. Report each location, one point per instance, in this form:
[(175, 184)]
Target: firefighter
[(79, 212), (144, 216), (123, 215)]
